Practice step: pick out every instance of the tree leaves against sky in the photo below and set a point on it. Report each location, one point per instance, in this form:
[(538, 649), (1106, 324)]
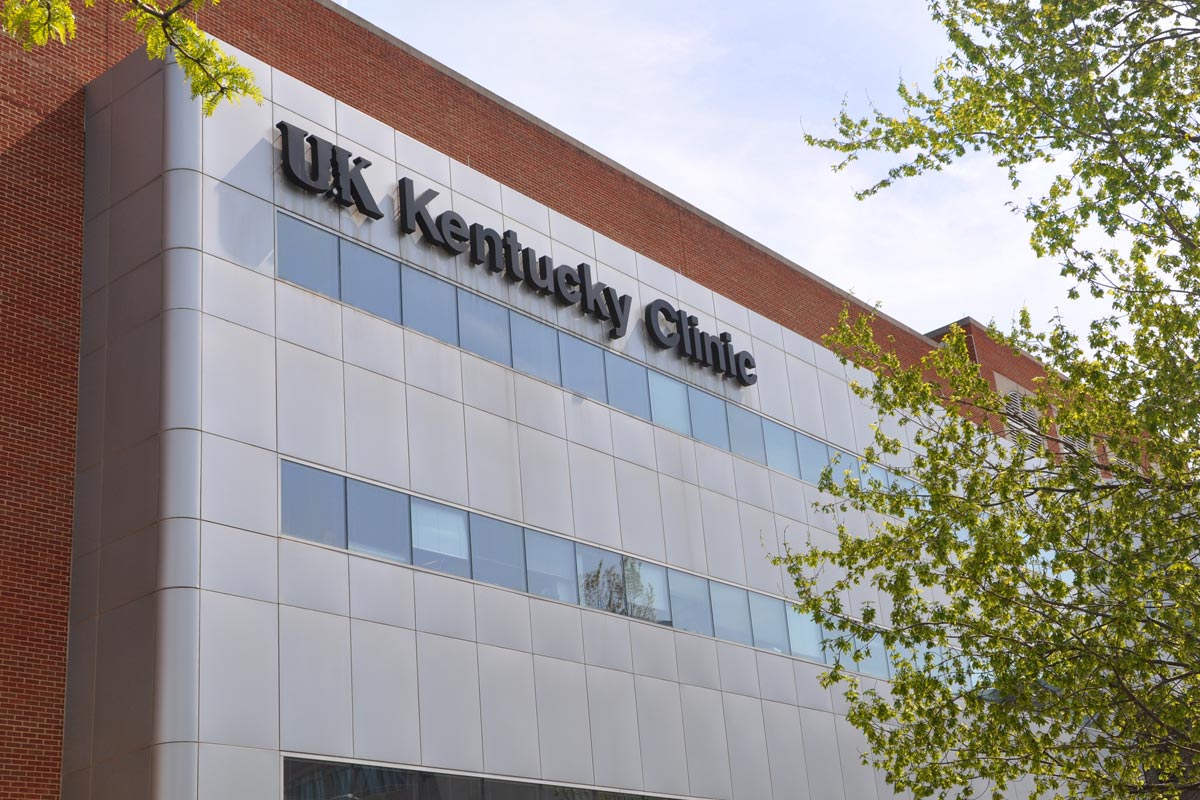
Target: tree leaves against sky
[(213, 76), (1038, 591)]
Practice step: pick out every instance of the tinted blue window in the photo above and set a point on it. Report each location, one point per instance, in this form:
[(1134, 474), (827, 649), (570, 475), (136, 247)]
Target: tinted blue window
[(370, 281), (746, 434), (804, 634), (551, 566), (439, 538), (497, 552), (916, 490), (627, 387), (915, 655), (731, 613), (708, 418), (535, 348), (781, 448), (691, 608), (874, 472), (307, 255), (601, 578), (430, 306), (646, 591), (769, 621), (875, 662), (313, 504), (483, 328), (377, 521), (905, 484), (814, 457), (845, 467), (669, 403), (582, 367)]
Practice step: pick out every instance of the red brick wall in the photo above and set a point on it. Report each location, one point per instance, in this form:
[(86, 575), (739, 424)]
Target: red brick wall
[(41, 155), (41, 207), (998, 359)]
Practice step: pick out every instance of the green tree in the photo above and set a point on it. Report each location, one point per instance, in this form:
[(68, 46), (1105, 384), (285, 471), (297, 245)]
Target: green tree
[(1036, 559), (214, 76)]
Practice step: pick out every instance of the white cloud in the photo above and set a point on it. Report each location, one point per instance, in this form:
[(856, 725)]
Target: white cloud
[(706, 100)]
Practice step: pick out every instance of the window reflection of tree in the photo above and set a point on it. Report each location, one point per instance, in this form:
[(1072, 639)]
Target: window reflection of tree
[(317, 781), (640, 593), (566, 793), (620, 588), (311, 780), (604, 588)]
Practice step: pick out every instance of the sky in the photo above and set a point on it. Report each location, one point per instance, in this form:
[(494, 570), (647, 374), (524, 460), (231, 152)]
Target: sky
[(710, 101)]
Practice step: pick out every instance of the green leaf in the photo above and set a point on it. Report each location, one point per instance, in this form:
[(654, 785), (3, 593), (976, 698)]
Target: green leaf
[(35, 23), (214, 77)]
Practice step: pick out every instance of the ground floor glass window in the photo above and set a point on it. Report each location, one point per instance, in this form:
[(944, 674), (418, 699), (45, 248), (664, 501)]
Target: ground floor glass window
[(317, 780)]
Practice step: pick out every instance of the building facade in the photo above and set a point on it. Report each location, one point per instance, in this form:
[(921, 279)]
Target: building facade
[(417, 451)]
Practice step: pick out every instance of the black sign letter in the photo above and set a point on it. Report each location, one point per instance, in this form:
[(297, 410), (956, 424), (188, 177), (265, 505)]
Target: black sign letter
[(349, 187), (566, 285), (655, 311), (453, 229), (413, 212), (743, 363), (314, 178)]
